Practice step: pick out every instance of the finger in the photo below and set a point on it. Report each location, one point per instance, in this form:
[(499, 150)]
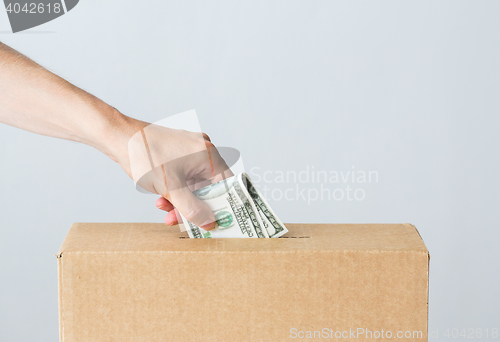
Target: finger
[(171, 218), (164, 204), (200, 182), (192, 208)]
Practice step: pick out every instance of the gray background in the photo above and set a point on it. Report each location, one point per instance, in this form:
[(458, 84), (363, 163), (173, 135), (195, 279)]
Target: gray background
[(409, 89)]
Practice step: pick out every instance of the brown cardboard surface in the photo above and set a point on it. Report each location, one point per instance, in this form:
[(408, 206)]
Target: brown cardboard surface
[(147, 282)]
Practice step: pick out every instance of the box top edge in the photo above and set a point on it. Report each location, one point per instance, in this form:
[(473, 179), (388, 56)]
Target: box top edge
[(152, 237)]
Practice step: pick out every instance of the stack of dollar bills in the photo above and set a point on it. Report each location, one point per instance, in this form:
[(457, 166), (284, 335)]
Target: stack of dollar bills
[(240, 211)]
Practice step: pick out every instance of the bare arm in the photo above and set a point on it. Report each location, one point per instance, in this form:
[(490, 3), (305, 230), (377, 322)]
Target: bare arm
[(34, 99)]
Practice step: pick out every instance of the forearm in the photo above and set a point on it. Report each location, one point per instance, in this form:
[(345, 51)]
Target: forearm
[(34, 99)]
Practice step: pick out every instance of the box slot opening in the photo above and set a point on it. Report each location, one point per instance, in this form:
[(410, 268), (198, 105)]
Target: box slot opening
[(294, 237)]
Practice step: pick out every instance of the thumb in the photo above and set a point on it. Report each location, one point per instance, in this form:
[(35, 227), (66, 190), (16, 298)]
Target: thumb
[(192, 208)]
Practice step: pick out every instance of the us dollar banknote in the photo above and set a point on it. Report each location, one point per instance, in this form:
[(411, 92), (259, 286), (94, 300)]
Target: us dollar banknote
[(240, 211)]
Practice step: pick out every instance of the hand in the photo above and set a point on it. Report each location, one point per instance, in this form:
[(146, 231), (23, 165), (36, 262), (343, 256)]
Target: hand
[(173, 163), (164, 161)]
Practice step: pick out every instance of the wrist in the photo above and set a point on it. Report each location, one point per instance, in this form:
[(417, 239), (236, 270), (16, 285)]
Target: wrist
[(115, 135)]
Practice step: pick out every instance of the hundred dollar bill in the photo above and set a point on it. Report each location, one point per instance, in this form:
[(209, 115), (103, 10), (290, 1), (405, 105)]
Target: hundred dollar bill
[(239, 209)]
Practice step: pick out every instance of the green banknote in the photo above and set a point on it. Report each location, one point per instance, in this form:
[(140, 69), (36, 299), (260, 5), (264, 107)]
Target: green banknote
[(239, 209)]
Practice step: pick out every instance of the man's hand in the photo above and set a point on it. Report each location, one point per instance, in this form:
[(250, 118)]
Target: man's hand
[(165, 161), (173, 163)]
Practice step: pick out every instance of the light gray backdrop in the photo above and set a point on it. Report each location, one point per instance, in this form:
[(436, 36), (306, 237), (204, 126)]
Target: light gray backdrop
[(407, 89)]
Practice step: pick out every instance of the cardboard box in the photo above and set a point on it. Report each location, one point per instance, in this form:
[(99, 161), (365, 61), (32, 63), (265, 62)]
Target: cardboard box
[(148, 282)]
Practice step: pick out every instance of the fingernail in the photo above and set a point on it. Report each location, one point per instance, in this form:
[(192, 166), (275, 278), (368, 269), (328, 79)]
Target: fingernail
[(208, 225)]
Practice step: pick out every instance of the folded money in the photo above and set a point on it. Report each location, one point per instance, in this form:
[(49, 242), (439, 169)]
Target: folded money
[(240, 211)]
